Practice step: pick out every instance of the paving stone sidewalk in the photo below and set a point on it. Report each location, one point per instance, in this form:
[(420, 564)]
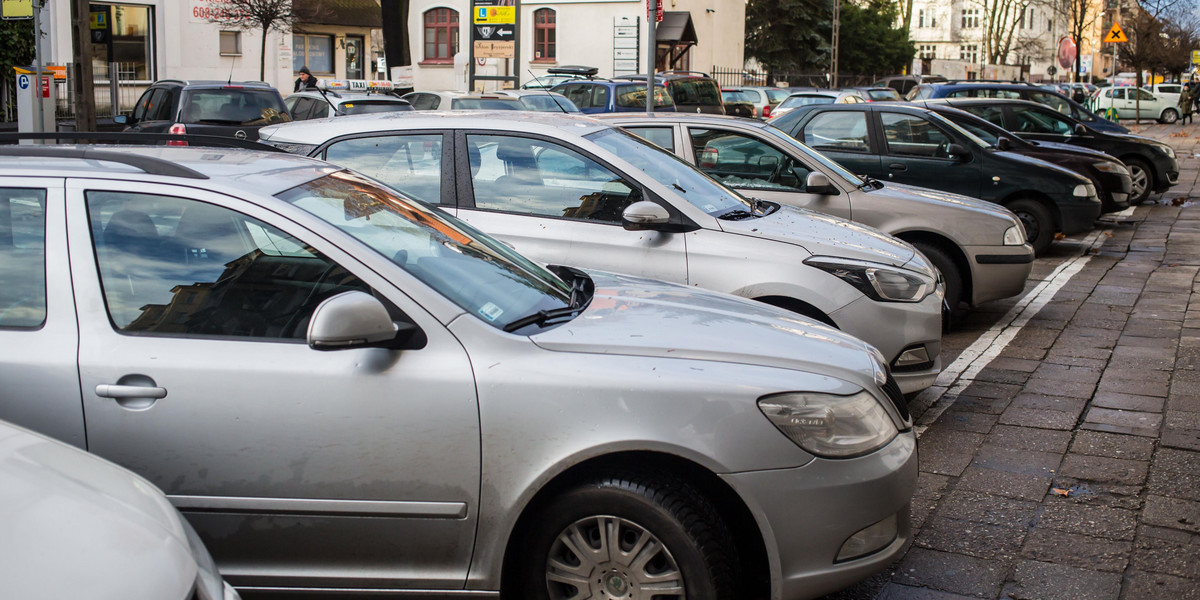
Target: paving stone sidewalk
[(1069, 468)]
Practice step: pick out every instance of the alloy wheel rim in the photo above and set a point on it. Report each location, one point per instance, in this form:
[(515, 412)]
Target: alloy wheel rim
[(1138, 175), (1032, 231), (610, 558)]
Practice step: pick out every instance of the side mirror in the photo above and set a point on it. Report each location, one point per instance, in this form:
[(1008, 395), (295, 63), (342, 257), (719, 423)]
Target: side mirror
[(644, 215), (1003, 143), (958, 152), (121, 120), (1080, 129), (818, 183), (359, 320)]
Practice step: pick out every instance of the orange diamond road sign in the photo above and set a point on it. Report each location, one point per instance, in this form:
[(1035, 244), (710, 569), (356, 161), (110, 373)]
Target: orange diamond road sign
[(1116, 35)]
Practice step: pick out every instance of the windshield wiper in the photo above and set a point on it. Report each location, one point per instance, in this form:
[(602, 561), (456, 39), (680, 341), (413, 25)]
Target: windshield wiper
[(737, 215), (871, 182), (545, 317), (763, 208)]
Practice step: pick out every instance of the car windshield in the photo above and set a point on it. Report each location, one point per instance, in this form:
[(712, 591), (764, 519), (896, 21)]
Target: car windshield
[(665, 168), (967, 134), (234, 105), (362, 107), (549, 103), (634, 96), (783, 138), (981, 129), (486, 104), (794, 101), (479, 274)]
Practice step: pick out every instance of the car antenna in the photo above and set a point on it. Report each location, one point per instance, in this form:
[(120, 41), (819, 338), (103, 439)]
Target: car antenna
[(337, 112), (548, 92), (229, 80)]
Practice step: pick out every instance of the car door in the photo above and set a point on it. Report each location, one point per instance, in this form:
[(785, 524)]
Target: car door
[(154, 112), (1036, 123), (1147, 105), (759, 169), (38, 332), (844, 136), (916, 152), (298, 467), (558, 205)]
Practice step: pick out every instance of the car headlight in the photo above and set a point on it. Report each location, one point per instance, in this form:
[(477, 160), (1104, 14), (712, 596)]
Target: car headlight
[(1110, 167), (1084, 190), (1014, 236), (1165, 149), (878, 282), (831, 426)]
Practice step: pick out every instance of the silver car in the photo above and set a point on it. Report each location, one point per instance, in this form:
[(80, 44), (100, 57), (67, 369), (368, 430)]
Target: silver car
[(578, 191), (76, 526), (345, 390), (979, 247)]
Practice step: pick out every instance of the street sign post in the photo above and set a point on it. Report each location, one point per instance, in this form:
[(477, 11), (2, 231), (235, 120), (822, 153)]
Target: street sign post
[(494, 34)]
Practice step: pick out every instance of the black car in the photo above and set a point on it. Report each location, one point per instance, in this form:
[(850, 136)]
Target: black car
[(904, 83), (916, 146), (1013, 91), (1109, 175), (220, 108), (692, 91), (1152, 164)]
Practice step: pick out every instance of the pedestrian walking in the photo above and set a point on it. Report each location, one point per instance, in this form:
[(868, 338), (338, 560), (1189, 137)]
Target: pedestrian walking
[(305, 81), (1186, 102), (1193, 87)]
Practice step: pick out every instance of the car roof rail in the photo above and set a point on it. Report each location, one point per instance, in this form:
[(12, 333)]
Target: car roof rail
[(1012, 81), (137, 138), (151, 165), (683, 72)]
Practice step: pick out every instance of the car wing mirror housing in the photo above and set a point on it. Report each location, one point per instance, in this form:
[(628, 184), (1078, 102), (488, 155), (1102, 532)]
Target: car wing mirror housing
[(1003, 143), (356, 319), (646, 215), (1080, 129), (122, 120), (958, 152), (818, 183)]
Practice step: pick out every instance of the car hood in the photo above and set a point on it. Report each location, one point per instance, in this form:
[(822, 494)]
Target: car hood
[(824, 235), (641, 317), (1037, 163), (1071, 149), (912, 193), (1133, 138), (63, 506)]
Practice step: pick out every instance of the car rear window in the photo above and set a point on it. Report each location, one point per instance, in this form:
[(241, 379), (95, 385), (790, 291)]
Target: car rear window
[(695, 91), (883, 95), (736, 96), (777, 96), (634, 96), (487, 104), (233, 106), (362, 107)]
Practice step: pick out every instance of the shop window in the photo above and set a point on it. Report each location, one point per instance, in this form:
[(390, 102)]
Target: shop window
[(313, 51), (123, 34), (231, 43), (441, 35)]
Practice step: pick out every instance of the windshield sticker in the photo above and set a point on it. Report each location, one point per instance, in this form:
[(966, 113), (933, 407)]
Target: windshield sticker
[(490, 311), (710, 208)]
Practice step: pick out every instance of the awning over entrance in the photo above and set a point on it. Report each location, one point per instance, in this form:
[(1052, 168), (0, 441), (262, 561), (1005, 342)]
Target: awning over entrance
[(674, 36)]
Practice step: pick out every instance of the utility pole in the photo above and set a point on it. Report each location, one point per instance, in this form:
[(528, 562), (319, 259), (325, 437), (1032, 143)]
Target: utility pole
[(833, 58), (81, 75)]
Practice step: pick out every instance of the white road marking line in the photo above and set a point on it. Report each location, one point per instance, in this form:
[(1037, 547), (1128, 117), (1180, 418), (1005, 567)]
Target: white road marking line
[(962, 372)]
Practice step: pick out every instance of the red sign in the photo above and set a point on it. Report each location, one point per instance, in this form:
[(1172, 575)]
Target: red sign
[(659, 12), (1066, 52), (46, 87)]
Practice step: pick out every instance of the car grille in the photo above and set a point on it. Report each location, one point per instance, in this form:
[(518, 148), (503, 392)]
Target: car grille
[(892, 389)]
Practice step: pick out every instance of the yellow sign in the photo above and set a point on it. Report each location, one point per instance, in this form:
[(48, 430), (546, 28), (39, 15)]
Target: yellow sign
[(17, 9), (1196, 57), (495, 15), (495, 49), (1116, 35)]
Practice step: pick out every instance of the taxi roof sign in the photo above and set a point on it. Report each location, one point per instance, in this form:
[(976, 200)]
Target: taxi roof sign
[(1116, 35), (357, 85)]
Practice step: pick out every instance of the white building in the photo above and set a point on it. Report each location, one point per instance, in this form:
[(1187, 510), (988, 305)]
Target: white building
[(954, 30)]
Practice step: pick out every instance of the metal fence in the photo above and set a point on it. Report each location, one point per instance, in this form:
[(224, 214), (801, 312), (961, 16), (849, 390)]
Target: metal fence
[(115, 86), (735, 77)]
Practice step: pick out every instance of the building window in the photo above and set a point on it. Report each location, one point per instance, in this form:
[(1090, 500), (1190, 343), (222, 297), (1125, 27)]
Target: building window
[(970, 18), (968, 53), (314, 52), (927, 51), (441, 35), (123, 33), (544, 35), (921, 18), (231, 43), (1025, 13)]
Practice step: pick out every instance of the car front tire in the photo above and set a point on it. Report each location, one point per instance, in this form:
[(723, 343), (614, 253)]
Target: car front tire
[(1038, 222), (1143, 179), (1169, 116), (629, 536)]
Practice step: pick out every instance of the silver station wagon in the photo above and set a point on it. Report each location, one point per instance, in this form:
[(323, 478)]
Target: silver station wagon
[(345, 390), (574, 190), (979, 247)]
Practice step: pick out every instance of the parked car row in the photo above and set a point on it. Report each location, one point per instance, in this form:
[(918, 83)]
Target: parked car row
[(346, 389)]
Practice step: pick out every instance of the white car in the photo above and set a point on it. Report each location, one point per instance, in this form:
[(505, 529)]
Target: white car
[(344, 97), (73, 525), (1137, 103), (799, 99), (1168, 91)]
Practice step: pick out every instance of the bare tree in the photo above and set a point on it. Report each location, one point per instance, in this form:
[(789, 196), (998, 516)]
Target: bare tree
[(1149, 33), (264, 16), (1081, 17)]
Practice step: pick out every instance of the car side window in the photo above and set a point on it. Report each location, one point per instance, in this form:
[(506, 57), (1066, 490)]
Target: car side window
[(1053, 101), (742, 161), (580, 95), (1040, 121), (301, 109), (843, 131), (178, 267), (143, 105), (536, 177), (409, 163), (160, 106), (912, 135), (663, 137), (22, 258), (1144, 96), (990, 113)]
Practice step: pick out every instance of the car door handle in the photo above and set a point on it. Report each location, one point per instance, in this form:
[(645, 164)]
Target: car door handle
[(898, 167), (108, 390)]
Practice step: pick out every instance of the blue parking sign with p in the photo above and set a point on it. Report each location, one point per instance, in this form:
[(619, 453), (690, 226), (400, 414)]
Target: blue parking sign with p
[(23, 81)]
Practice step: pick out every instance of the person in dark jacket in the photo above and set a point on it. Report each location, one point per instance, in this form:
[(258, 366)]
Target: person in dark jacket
[(305, 81)]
